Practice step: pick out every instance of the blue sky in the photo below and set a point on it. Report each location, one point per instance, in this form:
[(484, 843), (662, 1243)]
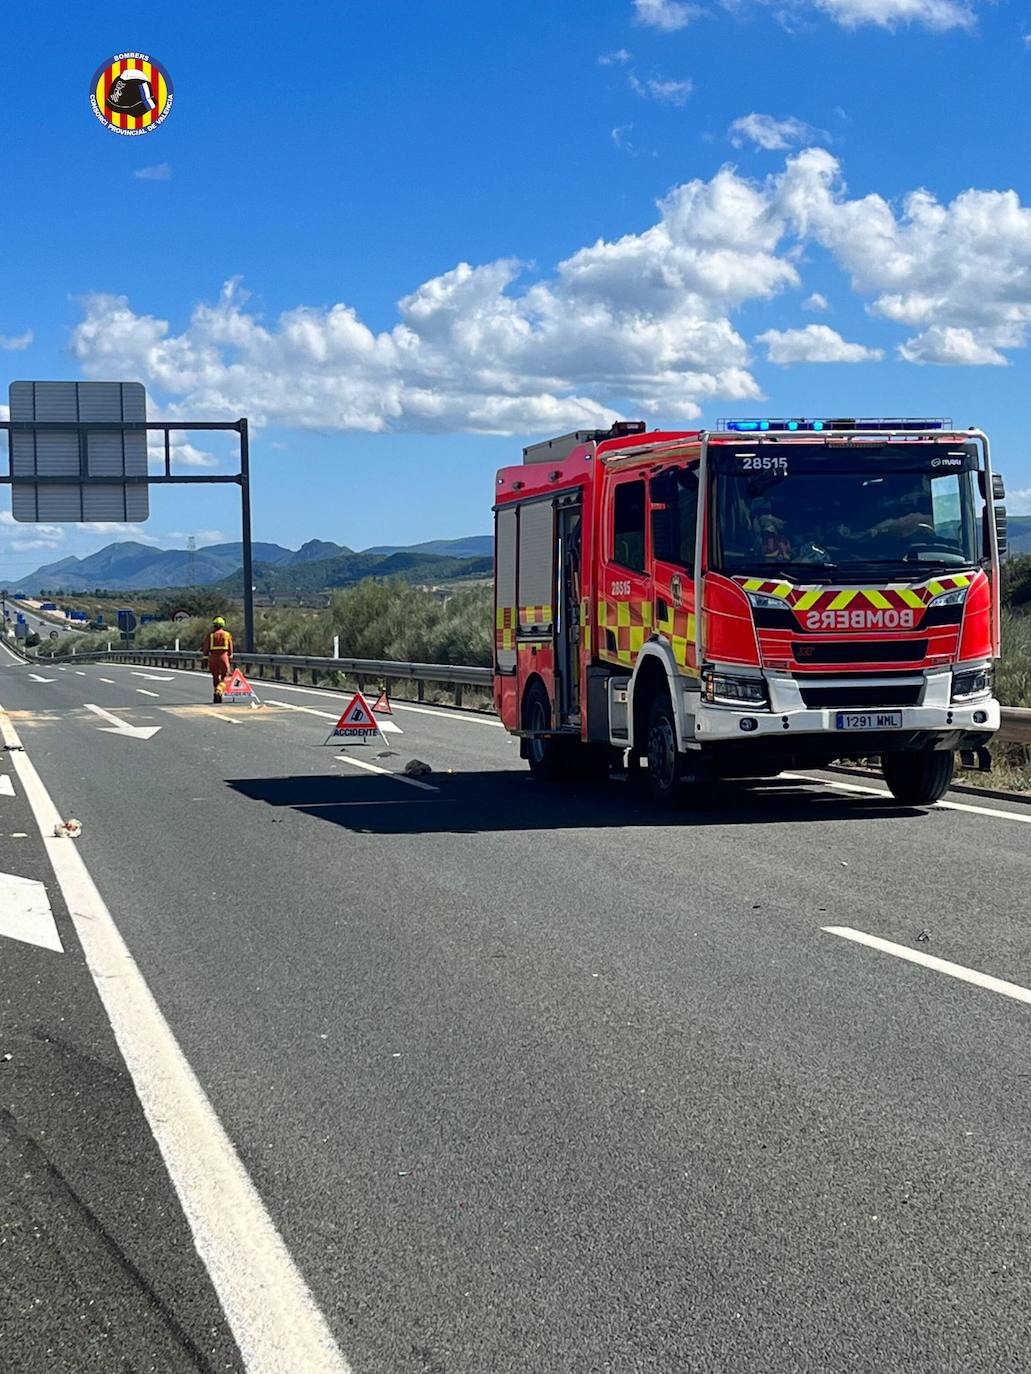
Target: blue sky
[(624, 207)]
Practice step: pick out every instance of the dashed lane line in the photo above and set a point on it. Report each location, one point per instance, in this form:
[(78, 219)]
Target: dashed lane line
[(914, 956), (144, 693), (109, 680), (269, 1307), (465, 717), (6, 786)]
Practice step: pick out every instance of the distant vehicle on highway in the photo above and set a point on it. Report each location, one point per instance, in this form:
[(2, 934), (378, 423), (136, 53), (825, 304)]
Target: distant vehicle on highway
[(47, 606), (769, 595)]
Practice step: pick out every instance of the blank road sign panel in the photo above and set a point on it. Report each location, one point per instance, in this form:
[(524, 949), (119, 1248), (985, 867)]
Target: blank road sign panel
[(66, 453)]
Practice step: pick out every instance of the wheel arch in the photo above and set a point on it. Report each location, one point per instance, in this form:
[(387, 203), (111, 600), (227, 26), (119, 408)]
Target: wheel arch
[(655, 668)]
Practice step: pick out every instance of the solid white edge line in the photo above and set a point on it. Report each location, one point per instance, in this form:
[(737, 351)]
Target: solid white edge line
[(937, 806), (375, 768), (269, 1308), (914, 956)]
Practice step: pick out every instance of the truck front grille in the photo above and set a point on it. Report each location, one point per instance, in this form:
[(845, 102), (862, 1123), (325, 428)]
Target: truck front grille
[(846, 696), (861, 651)]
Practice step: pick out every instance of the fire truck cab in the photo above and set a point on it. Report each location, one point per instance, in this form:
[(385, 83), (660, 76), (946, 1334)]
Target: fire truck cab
[(771, 594)]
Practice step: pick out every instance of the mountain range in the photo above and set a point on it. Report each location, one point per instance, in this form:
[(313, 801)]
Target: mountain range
[(315, 566)]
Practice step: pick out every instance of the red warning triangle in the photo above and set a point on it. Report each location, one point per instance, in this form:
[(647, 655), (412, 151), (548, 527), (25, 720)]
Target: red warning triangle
[(357, 723), (237, 689), (382, 704)]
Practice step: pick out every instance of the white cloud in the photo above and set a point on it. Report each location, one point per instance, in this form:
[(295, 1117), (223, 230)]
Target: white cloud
[(637, 325), (17, 344), (638, 322), (951, 346), (772, 134), (662, 89), (184, 455), (160, 171), (203, 537), (667, 15), (621, 138), (816, 302), (889, 14), (1019, 502), (16, 537), (816, 343), (619, 58), (123, 531), (935, 266)]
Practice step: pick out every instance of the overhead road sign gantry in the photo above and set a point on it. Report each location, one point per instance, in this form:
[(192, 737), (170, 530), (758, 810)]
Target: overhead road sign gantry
[(78, 451)]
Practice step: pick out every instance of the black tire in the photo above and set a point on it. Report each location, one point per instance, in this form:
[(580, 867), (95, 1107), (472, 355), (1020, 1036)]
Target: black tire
[(665, 765), (546, 757), (918, 779)]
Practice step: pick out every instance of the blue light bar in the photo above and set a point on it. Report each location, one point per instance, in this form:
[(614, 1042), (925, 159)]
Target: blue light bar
[(898, 424)]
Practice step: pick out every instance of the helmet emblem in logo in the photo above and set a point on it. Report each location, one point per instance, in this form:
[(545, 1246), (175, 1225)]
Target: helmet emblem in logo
[(131, 93)]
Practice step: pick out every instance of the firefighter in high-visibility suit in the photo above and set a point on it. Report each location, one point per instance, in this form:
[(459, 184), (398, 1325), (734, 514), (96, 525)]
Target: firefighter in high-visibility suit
[(218, 648)]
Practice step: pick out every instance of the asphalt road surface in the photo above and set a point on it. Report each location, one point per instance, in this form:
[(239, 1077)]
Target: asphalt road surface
[(517, 1078)]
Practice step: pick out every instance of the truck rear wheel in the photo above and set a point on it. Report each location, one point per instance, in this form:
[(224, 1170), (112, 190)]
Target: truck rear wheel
[(918, 779), (545, 755)]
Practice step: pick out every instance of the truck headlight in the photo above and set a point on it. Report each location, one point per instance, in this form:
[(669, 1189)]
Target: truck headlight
[(972, 682), (735, 690), (954, 598), (762, 602)]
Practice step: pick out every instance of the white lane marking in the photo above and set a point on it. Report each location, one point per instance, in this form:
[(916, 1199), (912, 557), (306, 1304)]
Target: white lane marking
[(26, 913), (109, 680), (465, 717), (122, 727), (79, 672), (966, 975), (229, 719), (387, 727), (151, 677), (144, 693), (6, 786), (375, 768), (35, 677), (270, 1309), (61, 670), (940, 806)]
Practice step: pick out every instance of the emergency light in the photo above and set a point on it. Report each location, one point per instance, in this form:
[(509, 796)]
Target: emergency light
[(817, 426)]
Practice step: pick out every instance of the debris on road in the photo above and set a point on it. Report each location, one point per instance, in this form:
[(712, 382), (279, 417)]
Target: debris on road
[(415, 768), (923, 936), (70, 829)]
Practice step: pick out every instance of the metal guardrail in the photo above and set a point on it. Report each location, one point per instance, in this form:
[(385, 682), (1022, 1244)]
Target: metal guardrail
[(1016, 720), (289, 667)]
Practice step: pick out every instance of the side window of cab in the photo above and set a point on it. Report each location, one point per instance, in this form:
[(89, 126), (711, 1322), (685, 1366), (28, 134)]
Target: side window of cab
[(628, 521)]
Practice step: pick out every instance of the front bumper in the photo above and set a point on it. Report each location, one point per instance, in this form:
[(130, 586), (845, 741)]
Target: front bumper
[(712, 723)]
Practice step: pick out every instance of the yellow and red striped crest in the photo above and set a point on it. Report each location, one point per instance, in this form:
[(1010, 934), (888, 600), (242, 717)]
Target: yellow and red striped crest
[(131, 93)]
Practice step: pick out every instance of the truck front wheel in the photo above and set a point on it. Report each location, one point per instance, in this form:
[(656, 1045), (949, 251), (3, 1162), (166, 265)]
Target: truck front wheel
[(918, 779), (664, 762)]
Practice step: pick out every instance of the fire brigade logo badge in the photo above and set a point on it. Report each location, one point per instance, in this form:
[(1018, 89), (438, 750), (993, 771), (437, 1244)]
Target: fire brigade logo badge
[(131, 94), (676, 590)]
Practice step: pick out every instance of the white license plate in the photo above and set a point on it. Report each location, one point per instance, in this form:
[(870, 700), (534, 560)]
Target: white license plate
[(869, 720)]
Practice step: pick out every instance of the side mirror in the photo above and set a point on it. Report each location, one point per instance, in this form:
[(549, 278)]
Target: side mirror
[(998, 486)]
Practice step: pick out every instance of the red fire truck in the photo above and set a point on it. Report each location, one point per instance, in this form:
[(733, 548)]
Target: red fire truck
[(767, 595)]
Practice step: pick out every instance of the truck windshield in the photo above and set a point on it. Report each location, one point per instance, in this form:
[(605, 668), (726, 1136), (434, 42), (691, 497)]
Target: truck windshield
[(796, 522)]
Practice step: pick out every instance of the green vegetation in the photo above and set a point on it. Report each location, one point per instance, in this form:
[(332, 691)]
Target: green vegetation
[(1016, 581), (390, 620), (1013, 680)]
